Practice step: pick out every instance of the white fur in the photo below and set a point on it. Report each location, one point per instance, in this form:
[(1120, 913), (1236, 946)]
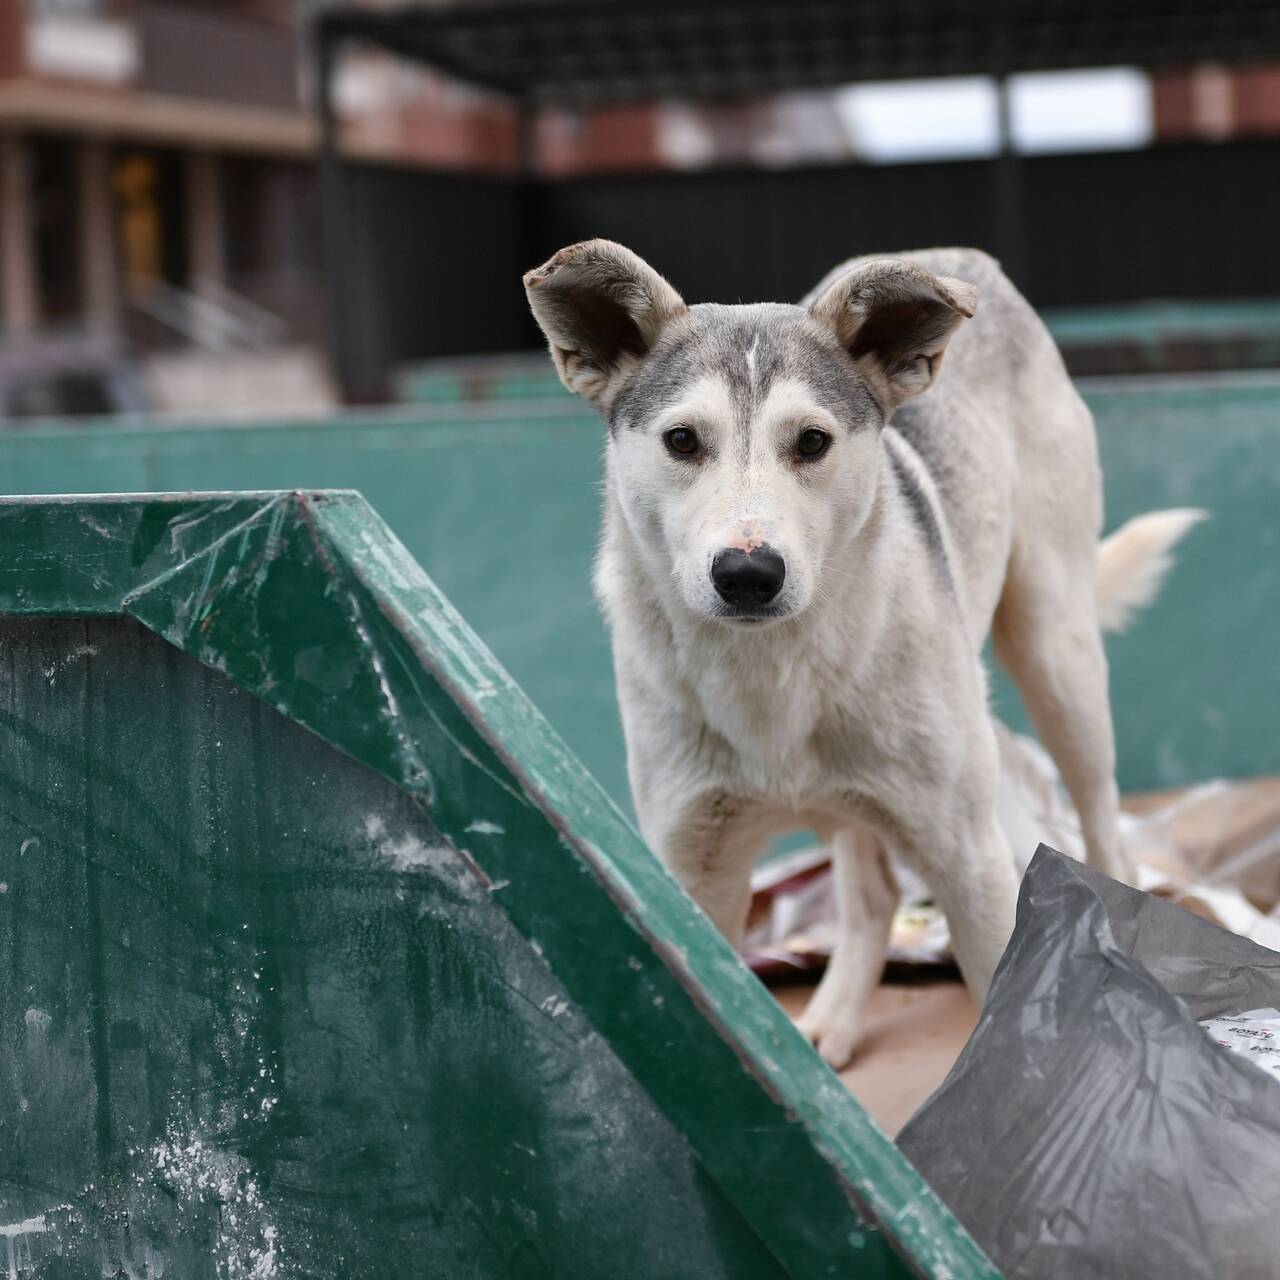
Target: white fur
[(1133, 561)]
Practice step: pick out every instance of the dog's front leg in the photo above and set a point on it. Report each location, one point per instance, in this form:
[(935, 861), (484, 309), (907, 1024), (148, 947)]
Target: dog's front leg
[(709, 842), (965, 859), (976, 886), (866, 896), (942, 821)]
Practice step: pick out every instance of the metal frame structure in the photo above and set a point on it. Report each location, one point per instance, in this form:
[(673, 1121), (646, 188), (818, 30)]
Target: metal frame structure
[(590, 53), (594, 52)]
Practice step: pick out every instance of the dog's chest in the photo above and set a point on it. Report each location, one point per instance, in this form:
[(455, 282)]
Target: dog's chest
[(768, 711)]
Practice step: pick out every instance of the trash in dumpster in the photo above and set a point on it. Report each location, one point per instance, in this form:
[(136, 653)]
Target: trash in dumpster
[(1091, 1129), (1214, 848), (1255, 1034)]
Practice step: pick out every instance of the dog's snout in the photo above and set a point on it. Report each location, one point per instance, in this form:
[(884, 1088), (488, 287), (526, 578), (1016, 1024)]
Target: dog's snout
[(748, 579)]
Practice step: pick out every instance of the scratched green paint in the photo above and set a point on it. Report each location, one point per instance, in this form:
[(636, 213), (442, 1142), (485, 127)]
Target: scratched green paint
[(249, 980), (403, 995)]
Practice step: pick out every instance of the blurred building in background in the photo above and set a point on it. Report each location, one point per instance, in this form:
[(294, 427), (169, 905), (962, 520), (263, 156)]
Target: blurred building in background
[(161, 238), (160, 230), (159, 188), (1217, 102)]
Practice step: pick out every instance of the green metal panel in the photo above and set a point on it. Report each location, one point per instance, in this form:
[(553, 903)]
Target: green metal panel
[(402, 995), (479, 378), (1196, 684), (500, 504), (1162, 336), (247, 1029)]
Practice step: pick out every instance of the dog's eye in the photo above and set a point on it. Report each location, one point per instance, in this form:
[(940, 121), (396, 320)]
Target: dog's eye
[(812, 443), (682, 440)]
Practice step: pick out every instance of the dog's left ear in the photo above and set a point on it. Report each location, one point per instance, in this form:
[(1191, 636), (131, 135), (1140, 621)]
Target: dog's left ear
[(895, 319), (601, 308)]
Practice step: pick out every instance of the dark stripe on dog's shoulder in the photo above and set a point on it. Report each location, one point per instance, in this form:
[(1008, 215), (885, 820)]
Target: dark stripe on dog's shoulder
[(926, 518)]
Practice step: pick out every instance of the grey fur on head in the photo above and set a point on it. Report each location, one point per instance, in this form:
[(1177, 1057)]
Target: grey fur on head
[(603, 308)]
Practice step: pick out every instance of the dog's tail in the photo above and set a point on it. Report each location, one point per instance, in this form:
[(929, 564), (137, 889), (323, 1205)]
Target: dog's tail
[(1132, 562)]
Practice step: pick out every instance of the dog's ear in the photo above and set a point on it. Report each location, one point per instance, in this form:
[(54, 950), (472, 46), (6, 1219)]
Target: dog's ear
[(895, 319), (601, 308)]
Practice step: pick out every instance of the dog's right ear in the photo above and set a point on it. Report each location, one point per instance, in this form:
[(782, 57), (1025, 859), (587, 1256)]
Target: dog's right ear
[(601, 308), (895, 320)]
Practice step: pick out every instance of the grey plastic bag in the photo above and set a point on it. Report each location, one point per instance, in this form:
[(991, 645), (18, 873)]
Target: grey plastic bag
[(1091, 1129)]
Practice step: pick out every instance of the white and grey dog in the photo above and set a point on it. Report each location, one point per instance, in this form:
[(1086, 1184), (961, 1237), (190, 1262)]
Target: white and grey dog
[(799, 570)]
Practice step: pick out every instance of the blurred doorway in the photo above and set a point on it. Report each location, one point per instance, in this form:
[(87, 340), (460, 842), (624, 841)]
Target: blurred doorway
[(151, 220)]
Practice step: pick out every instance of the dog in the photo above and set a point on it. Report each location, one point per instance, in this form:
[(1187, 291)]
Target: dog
[(802, 557)]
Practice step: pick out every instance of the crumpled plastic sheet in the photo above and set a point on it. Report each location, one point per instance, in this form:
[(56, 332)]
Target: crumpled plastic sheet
[(1091, 1129), (1214, 849)]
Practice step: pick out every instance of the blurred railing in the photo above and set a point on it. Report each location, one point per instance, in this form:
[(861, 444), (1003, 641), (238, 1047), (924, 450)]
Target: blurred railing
[(213, 318)]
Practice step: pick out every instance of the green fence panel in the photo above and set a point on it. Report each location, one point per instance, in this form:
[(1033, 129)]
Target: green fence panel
[(323, 957), (501, 506), (450, 380), (1196, 683), (500, 503), (1169, 336)]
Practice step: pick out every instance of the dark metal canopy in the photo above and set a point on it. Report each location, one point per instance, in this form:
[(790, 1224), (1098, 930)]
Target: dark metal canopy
[(585, 53), (589, 52)]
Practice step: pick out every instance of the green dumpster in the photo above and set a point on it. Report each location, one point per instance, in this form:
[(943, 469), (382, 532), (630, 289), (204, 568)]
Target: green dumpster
[(322, 957)]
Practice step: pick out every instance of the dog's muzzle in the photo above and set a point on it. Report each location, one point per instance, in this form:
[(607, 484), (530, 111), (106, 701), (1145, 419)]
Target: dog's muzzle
[(747, 581)]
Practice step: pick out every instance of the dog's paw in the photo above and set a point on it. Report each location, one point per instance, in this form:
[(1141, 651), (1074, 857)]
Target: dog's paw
[(832, 1022), (834, 1038)]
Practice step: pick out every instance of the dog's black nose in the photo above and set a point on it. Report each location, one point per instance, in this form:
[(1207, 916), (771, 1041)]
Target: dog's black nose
[(748, 579)]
